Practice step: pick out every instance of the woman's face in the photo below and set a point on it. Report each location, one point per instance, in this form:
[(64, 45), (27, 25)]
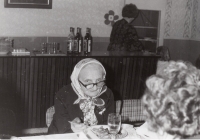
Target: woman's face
[(91, 73)]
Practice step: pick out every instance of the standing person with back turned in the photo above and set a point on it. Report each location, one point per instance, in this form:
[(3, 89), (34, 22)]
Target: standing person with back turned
[(85, 102), (123, 35)]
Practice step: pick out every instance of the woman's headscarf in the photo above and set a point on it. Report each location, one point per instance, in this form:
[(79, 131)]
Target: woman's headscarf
[(74, 78)]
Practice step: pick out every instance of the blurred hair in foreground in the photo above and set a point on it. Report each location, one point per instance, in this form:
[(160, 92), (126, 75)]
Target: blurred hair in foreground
[(172, 100)]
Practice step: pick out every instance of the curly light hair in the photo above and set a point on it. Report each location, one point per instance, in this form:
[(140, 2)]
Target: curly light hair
[(172, 100)]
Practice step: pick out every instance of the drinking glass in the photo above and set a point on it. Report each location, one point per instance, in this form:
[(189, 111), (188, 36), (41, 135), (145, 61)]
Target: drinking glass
[(114, 124), (44, 48), (49, 48)]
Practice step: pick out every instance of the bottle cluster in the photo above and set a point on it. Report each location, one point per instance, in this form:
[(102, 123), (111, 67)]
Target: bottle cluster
[(77, 43)]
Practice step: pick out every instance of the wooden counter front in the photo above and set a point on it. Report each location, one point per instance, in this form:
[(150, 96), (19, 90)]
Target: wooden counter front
[(34, 80)]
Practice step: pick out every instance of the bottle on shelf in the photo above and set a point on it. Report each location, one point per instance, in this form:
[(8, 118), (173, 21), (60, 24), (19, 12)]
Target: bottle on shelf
[(91, 38), (87, 42), (81, 40), (78, 41), (70, 41)]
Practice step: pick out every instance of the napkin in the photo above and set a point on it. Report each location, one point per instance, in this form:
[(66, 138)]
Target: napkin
[(145, 133), (82, 135), (131, 131), (14, 138), (79, 127)]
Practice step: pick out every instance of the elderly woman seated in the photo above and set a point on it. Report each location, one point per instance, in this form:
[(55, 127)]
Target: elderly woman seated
[(172, 103), (86, 101)]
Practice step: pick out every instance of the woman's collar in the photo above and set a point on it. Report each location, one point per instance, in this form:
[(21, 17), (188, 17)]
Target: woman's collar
[(129, 20)]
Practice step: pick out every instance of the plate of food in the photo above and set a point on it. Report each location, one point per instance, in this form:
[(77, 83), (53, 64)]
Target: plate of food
[(102, 132)]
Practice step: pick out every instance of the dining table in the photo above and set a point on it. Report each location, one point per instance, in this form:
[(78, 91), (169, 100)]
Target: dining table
[(85, 134), (136, 133)]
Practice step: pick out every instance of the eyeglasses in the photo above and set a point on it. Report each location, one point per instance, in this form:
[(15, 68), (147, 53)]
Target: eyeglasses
[(91, 85)]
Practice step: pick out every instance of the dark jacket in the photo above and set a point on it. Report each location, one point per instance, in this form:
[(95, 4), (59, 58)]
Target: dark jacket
[(66, 111), (124, 37)]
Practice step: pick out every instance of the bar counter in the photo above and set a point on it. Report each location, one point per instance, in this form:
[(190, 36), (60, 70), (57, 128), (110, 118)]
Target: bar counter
[(32, 81), (92, 54)]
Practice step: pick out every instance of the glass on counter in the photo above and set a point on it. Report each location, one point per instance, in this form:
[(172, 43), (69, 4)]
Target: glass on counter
[(50, 48), (44, 48)]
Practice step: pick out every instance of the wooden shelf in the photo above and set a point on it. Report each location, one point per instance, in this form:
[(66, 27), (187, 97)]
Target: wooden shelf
[(146, 27), (152, 40)]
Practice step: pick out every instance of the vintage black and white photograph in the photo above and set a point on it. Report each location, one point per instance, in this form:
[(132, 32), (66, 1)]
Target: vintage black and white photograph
[(99, 69)]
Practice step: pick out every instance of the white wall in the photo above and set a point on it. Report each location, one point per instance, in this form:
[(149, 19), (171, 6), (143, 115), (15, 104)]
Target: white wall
[(58, 20), (153, 5), (66, 13)]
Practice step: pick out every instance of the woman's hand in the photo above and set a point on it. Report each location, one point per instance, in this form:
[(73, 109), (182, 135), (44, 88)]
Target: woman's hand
[(77, 126)]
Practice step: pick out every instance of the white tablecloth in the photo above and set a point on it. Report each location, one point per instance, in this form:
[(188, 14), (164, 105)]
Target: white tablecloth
[(80, 135), (133, 133)]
